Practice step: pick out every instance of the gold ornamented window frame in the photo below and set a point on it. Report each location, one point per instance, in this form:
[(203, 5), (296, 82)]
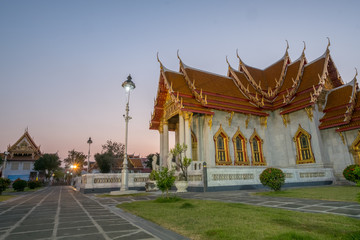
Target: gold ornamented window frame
[(226, 147), (355, 149), (296, 139), (243, 140), (260, 142)]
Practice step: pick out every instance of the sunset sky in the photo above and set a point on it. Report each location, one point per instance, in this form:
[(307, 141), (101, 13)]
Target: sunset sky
[(62, 63)]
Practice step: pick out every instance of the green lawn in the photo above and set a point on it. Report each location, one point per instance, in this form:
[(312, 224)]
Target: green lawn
[(332, 193), (5, 197), (199, 219)]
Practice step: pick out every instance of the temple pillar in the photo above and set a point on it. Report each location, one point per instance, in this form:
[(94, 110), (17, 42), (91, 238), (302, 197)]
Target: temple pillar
[(181, 129), (165, 143), (177, 134), (161, 132), (187, 131)]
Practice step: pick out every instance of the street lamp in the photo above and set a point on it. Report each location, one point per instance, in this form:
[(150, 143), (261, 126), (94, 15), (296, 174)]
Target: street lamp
[(127, 85), (89, 142), (6, 153)]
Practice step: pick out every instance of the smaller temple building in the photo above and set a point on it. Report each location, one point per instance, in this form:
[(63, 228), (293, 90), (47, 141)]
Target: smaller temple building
[(21, 158)]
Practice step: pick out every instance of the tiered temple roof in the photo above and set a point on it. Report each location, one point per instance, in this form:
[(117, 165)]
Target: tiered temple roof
[(285, 85), (24, 149)]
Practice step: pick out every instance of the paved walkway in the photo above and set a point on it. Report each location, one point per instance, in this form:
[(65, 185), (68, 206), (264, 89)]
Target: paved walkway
[(62, 213), (350, 209)]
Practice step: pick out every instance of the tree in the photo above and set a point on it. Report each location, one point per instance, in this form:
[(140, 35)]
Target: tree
[(149, 159), (48, 163), (77, 159), (182, 163), (105, 162), (164, 180), (109, 158)]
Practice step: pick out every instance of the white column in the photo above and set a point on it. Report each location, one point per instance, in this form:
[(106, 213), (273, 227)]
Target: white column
[(165, 144), (181, 129), (161, 144), (187, 129)]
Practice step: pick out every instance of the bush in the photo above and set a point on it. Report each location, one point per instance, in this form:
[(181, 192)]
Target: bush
[(152, 176), (19, 185), (164, 180), (273, 178), (350, 175), (4, 184), (34, 184)]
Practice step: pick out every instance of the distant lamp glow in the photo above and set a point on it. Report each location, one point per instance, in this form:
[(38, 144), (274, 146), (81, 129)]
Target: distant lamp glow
[(127, 85)]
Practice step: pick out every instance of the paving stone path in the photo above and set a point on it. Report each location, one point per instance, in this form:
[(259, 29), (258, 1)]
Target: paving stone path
[(350, 209), (62, 213)]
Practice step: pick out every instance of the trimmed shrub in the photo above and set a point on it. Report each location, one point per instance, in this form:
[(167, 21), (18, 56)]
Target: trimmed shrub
[(19, 185), (152, 175), (34, 184), (4, 184), (349, 174), (164, 180), (273, 178)]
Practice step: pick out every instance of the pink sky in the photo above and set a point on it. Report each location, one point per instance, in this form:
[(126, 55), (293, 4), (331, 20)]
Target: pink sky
[(62, 63)]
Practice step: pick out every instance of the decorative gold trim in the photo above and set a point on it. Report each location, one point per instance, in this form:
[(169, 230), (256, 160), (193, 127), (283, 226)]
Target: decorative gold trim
[(230, 118), (247, 120), (243, 142), (210, 120), (260, 142), (342, 137), (355, 149), (286, 119), (263, 121), (309, 112), (226, 147), (296, 139)]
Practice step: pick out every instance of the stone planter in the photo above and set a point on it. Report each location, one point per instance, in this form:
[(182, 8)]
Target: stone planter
[(181, 186), (151, 186)]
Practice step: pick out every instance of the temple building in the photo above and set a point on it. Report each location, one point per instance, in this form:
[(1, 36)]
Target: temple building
[(21, 158), (298, 116)]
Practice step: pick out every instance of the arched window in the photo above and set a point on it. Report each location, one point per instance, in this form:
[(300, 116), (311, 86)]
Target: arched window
[(257, 149), (221, 147), (303, 146), (239, 142)]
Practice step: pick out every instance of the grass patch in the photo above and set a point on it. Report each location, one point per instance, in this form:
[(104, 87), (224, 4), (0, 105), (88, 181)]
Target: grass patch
[(331, 193), (5, 197), (124, 195), (200, 219), (170, 199)]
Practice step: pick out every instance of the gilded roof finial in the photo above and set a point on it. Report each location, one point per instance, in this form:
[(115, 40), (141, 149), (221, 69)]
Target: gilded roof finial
[(177, 53), (228, 62), (237, 54), (356, 72), (287, 45), (327, 48), (304, 48), (157, 56)]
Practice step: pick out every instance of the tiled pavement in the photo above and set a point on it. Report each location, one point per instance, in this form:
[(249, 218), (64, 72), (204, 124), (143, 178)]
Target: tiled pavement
[(61, 213), (350, 209)]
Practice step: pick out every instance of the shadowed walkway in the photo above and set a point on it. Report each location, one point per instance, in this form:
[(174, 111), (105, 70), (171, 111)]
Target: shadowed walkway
[(61, 213)]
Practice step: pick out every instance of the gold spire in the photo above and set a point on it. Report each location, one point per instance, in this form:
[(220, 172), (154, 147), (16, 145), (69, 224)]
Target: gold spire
[(327, 48), (303, 52), (157, 56)]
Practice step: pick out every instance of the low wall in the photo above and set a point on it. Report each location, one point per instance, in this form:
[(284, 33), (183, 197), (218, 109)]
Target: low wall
[(106, 182)]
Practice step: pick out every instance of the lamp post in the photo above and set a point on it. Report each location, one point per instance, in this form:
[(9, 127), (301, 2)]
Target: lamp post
[(127, 85), (6, 153), (89, 142)]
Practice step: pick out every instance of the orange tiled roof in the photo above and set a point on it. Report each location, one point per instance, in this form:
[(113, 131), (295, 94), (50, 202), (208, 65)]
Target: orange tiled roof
[(289, 86)]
